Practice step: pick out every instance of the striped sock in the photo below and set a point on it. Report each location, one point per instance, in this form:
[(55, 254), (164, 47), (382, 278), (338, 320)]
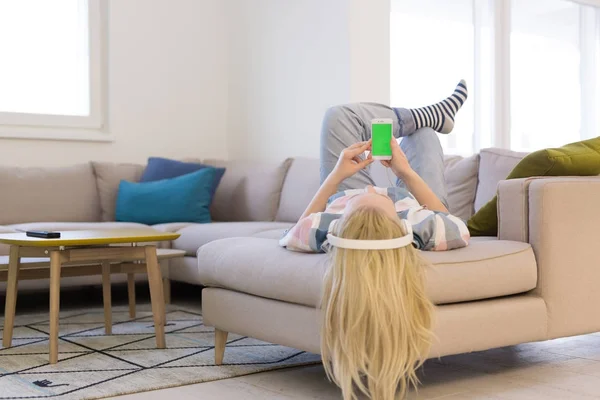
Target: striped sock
[(440, 116)]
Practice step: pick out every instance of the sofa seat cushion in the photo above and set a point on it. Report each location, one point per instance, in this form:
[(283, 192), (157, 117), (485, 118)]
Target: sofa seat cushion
[(171, 226), (196, 235), (272, 233), (258, 266)]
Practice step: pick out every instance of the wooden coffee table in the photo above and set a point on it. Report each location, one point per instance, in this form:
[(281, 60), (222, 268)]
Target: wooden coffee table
[(80, 253)]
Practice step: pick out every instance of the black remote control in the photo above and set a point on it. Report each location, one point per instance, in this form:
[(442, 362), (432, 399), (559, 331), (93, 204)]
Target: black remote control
[(43, 234)]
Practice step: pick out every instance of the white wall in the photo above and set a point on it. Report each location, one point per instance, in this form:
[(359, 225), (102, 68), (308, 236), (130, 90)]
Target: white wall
[(167, 87), (289, 62), (228, 78), (369, 41)]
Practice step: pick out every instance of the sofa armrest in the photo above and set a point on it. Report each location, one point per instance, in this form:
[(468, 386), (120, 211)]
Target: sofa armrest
[(564, 231), (513, 209)]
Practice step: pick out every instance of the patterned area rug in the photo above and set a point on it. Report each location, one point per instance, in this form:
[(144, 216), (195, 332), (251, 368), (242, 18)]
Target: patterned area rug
[(93, 365)]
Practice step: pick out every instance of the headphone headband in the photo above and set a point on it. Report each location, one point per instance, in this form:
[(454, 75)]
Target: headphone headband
[(370, 244), (384, 244)]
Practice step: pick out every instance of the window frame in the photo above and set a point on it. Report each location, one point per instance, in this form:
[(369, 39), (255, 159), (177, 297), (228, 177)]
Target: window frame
[(72, 127)]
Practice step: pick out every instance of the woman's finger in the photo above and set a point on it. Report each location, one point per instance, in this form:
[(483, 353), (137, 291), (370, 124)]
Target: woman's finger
[(357, 144), (396, 147), (365, 163), (358, 150), (385, 163)]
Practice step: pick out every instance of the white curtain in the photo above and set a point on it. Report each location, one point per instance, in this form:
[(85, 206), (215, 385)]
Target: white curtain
[(548, 72)]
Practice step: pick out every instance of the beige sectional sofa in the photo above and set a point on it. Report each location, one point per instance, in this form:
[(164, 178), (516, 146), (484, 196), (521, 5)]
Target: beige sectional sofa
[(82, 197), (537, 280)]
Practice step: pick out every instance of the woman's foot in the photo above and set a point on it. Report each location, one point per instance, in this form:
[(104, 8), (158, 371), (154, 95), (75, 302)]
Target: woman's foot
[(440, 116)]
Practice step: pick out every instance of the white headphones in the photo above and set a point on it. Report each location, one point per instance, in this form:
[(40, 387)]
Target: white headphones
[(374, 244)]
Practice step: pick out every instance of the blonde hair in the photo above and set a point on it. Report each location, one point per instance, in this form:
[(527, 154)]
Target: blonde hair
[(376, 327)]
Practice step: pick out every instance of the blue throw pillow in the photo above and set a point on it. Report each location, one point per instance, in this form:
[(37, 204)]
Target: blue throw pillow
[(163, 168), (183, 199)]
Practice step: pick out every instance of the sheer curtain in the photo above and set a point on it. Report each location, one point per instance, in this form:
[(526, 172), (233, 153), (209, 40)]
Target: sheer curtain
[(431, 50), (44, 57), (546, 108), (552, 86)]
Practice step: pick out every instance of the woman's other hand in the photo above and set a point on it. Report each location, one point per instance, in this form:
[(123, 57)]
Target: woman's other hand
[(350, 162), (399, 163)]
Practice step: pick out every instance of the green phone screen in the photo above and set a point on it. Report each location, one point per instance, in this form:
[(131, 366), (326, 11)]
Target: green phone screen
[(382, 135)]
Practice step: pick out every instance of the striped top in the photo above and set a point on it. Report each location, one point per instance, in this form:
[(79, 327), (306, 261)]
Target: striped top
[(432, 230)]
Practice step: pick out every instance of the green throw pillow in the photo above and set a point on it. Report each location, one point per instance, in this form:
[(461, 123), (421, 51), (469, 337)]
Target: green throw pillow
[(579, 158)]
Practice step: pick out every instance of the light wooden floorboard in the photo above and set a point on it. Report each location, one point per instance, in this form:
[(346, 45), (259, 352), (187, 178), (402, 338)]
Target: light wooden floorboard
[(560, 369)]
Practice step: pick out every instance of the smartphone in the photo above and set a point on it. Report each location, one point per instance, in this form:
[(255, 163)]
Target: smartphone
[(381, 133)]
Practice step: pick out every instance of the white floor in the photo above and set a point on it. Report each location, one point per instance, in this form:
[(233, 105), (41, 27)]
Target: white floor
[(561, 369)]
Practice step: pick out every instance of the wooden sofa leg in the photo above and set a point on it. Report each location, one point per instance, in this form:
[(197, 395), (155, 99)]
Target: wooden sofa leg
[(220, 342), (167, 290)]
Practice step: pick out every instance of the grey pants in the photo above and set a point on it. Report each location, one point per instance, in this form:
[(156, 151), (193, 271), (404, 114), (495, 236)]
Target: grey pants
[(347, 124)]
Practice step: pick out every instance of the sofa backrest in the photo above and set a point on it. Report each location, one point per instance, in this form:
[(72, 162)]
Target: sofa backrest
[(302, 182), (267, 191), (48, 194), (300, 185), (249, 190), (108, 177), (494, 166)]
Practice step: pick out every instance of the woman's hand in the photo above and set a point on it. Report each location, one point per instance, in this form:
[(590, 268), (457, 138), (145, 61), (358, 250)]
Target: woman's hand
[(350, 163), (414, 183), (399, 163)]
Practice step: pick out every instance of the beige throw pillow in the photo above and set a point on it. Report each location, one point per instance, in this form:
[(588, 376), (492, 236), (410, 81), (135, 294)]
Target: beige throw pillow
[(108, 177), (461, 183), (249, 190)]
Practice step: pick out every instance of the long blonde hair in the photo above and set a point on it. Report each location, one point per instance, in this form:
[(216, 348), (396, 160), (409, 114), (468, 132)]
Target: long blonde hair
[(376, 327)]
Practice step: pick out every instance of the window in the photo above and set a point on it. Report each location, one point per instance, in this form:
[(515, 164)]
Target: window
[(549, 77), (431, 50), (50, 64), (531, 65)]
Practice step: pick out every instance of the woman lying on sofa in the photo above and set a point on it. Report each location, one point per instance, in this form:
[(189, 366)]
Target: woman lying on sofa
[(376, 327)]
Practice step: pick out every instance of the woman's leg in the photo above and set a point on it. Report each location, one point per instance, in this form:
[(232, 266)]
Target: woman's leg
[(421, 143), (426, 157), (348, 124), (438, 116)]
